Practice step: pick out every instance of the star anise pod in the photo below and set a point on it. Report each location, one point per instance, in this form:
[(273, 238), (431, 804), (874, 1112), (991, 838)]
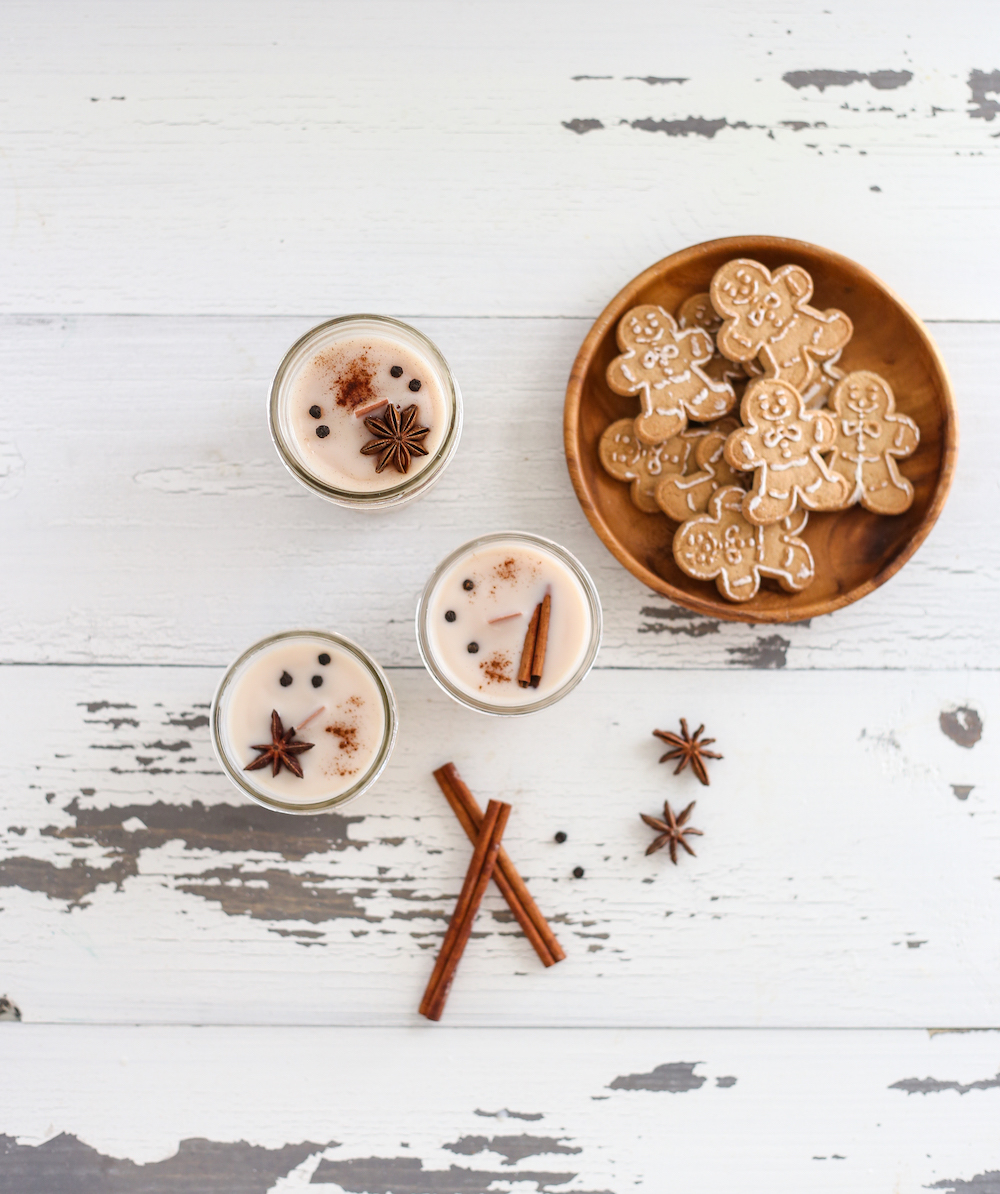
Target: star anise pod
[(671, 830), (396, 438), (689, 748), (281, 750)]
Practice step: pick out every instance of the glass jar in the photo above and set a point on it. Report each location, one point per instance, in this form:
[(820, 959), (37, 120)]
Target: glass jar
[(353, 730), (307, 380), (477, 611)]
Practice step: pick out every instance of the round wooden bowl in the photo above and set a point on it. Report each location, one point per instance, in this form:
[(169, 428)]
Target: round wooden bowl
[(855, 551)]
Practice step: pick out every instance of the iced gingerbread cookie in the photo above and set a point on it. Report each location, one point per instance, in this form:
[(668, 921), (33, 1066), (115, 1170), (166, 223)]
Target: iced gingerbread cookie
[(721, 545), (662, 364), (698, 312), (681, 495), (767, 317), (869, 437), (783, 443), (626, 458)]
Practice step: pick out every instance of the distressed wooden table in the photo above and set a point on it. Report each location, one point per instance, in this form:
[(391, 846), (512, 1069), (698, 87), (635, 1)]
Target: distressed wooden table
[(203, 996)]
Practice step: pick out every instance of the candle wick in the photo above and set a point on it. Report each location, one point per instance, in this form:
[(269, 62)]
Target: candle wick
[(315, 713), (368, 407)]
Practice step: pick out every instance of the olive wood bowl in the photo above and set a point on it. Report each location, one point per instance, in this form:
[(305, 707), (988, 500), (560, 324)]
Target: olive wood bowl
[(855, 551)]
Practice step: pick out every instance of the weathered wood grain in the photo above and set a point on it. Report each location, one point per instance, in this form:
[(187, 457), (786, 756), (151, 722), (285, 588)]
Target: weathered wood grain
[(142, 495), (246, 1111), (847, 876), (272, 158)]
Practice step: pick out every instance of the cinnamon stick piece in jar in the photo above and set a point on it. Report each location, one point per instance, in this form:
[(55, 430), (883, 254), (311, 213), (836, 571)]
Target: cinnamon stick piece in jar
[(528, 650), (541, 641)]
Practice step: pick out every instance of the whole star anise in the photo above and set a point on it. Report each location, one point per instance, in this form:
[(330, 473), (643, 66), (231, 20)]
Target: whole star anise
[(671, 830), (396, 438), (281, 750), (689, 748)]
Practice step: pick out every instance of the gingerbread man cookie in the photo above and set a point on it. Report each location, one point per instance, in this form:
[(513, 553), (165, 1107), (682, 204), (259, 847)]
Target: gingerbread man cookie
[(626, 458), (783, 443), (869, 437), (680, 495), (721, 545), (768, 317), (662, 364), (698, 312)]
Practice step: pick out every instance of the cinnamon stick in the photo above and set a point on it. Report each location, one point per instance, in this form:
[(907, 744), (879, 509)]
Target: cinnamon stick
[(512, 887), (477, 879), (528, 650), (541, 641)]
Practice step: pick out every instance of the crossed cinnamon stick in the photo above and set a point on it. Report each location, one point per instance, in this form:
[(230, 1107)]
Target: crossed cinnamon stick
[(489, 861)]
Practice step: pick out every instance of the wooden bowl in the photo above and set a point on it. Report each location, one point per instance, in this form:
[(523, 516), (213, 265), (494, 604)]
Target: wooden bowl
[(855, 551)]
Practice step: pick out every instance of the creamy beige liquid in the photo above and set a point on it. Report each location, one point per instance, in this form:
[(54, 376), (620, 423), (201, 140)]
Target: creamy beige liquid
[(348, 376), (347, 733), (508, 578)]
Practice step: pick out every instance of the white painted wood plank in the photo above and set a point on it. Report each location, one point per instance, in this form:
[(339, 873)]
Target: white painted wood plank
[(142, 495), (441, 1111), (506, 158), (847, 876)]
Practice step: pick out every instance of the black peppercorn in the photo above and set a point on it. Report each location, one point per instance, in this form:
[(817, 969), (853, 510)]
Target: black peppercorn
[(396, 371), (578, 872), (468, 585), (324, 659), (285, 680), (315, 412), (317, 681), (472, 648), (414, 385), (560, 837), (322, 431), (449, 615)]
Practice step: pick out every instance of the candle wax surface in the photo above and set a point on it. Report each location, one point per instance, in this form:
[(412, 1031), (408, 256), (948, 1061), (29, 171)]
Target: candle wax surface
[(338, 380), (347, 734), (507, 578)]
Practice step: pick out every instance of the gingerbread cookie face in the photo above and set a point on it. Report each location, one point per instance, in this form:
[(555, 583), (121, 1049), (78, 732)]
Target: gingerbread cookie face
[(870, 435), (680, 496), (784, 444), (721, 545), (698, 312), (662, 363), (626, 458), (768, 317)]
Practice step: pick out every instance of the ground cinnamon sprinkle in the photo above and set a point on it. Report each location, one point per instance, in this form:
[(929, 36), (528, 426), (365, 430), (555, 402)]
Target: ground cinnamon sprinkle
[(352, 381), (347, 735), (507, 570), (497, 667)]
